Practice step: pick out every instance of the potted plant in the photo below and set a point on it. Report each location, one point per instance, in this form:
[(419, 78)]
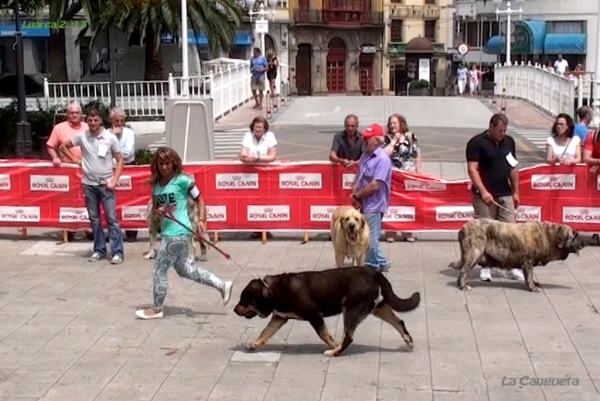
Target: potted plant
[(419, 88)]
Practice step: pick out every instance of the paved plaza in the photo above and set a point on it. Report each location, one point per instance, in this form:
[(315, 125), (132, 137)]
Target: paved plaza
[(68, 331)]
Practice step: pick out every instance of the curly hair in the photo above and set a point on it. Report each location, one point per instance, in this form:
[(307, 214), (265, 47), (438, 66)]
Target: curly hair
[(570, 125), (401, 120), (164, 154)]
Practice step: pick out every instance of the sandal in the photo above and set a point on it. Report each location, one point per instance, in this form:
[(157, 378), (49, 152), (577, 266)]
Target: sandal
[(141, 314)]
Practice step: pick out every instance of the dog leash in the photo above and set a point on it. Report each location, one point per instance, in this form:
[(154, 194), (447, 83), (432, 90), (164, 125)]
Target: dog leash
[(168, 213)]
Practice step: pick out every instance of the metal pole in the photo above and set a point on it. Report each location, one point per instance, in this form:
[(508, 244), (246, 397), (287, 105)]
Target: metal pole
[(508, 33), (23, 138), (113, 67), (596, 120), (184, 49)]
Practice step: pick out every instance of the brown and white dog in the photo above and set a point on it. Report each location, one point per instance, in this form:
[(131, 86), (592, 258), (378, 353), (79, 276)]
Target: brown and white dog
[(349, 235), (493, 243), (155, 224)]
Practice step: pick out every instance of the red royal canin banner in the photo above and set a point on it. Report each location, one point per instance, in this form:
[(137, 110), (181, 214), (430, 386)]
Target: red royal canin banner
[(291, 196)]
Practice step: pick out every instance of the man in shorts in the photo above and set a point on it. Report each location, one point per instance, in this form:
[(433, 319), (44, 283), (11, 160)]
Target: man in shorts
[(492, 166), (258, 67)]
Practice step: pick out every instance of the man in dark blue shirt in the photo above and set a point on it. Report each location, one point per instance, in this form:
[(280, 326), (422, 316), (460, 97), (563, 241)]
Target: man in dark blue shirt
[(258, 67)]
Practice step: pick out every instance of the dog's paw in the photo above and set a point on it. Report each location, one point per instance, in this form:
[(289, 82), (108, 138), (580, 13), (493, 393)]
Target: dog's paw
[(466, 287), (329, 352), (149, 255), (534, 289)]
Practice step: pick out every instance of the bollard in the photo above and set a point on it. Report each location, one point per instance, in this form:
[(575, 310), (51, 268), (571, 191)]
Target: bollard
[(275, 102), (503, 102), (268, 106), (283, 93), (494, 97)]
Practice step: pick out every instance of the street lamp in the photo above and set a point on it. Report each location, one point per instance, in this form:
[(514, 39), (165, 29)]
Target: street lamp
[(23, 139), (262, 24), (509, 12), (596, 120), (184, 49)]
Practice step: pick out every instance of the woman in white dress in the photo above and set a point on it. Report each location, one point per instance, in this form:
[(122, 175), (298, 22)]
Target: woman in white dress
[(563, 146)]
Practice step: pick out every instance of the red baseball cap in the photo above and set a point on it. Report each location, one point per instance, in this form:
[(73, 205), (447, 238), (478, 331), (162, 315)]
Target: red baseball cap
[(372, 131)]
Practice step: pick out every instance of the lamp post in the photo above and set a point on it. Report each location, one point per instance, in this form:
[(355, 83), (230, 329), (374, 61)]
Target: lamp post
[(262, 24), (184, 49), (596, 120), (23, 138), (509, 11)]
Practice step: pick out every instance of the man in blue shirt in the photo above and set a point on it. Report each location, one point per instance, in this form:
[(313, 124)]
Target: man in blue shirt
[(258, 66), (585, 114)]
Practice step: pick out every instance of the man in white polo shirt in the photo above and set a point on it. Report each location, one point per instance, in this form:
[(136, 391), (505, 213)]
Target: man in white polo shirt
[(259, 145)]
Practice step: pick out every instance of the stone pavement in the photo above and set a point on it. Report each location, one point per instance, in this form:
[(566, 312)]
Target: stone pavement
[(438, 112), (523, 115), (68, 331)]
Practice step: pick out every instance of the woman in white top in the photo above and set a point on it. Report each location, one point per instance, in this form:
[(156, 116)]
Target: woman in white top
[(259, 145), (563, 146)]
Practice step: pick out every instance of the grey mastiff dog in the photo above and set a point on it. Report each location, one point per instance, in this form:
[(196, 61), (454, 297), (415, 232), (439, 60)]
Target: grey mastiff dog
[(493, 243)]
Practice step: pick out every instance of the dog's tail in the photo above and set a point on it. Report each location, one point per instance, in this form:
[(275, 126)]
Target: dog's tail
[(398, 304)]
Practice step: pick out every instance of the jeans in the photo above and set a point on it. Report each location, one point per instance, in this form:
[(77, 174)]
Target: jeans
[(174, 251), (94, 196), (375, 256)]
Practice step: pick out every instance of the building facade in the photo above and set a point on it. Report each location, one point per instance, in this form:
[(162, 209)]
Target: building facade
[(336, 47), (545, 29), (417, 37)]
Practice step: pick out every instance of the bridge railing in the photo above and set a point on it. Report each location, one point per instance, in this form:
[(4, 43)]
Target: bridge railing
[(543, 87), (228, 86)]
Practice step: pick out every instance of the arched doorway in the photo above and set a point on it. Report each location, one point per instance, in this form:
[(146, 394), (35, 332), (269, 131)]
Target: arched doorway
[(304, 70), (365, 67), (336, 66), (270, 44)]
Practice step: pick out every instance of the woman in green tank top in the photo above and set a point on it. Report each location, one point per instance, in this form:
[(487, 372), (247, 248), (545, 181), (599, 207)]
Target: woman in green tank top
[(171, 188)]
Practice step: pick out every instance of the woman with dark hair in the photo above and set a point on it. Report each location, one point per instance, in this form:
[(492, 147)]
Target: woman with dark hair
[(563, 146)]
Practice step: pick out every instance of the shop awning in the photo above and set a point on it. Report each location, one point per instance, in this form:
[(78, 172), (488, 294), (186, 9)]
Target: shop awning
[(528, 38), (565, 43)]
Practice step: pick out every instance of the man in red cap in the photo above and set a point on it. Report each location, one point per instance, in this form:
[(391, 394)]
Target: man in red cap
[(371, 191)]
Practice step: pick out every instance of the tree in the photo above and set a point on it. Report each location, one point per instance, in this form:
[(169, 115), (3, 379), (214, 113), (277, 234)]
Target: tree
[(218, 19), (66, 10)]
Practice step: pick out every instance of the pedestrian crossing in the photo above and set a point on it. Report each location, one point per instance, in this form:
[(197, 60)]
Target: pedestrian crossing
[(227, 144), (536, 137)]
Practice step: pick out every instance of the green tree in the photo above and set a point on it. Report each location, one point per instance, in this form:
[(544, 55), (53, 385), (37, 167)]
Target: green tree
[(218, 19), (66, 10)]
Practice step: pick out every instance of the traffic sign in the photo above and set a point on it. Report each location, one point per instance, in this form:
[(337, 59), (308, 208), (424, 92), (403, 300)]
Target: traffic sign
[(463, 49)]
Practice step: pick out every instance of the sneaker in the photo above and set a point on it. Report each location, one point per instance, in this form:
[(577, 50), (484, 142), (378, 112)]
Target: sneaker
[(517, 274), (485, 274), (95, 257), (141, 314), (226, 292), (116, 260)]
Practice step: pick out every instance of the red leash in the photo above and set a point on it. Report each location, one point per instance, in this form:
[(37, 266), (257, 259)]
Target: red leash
[(168, 213)]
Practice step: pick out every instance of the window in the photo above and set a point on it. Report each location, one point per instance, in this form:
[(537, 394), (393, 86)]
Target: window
[(430, 2), (469, 33), (566, 27), (431, 30), (396, 29), (490, 28), (397, 1)]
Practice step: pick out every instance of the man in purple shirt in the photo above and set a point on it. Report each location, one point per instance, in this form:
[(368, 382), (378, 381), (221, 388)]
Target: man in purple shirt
[(371, 191)]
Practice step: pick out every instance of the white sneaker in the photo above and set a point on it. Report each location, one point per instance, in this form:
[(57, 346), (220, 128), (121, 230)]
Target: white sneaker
[(485, 274), (226, 292), (517, 274)]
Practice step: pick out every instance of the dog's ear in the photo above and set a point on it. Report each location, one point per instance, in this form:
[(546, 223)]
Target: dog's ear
[(363, 222)]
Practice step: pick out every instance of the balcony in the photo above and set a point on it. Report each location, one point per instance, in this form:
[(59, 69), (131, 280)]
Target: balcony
[(338, 18)]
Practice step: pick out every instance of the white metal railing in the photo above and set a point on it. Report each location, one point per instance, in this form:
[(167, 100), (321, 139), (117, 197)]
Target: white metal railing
[(227, 84), (543, 87)]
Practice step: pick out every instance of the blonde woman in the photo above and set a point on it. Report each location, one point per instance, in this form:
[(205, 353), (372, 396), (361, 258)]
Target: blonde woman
[(272, 70), (403, 148)]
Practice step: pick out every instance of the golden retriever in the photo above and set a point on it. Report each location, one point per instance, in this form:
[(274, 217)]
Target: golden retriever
[(349, 235)]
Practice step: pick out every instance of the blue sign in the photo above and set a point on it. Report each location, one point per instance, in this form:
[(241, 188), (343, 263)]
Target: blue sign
[(200, 39), (8, 30)]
